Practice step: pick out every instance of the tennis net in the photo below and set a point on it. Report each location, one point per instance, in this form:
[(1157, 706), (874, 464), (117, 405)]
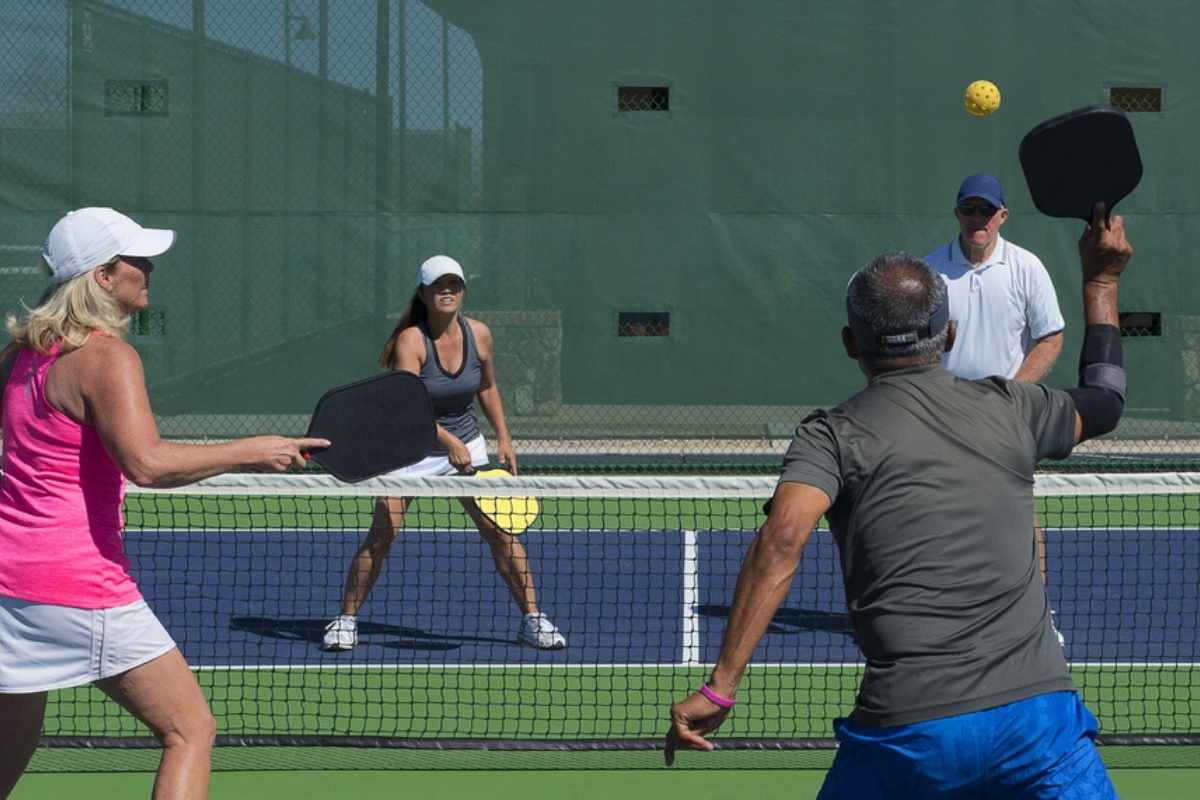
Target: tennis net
[(638, 573)]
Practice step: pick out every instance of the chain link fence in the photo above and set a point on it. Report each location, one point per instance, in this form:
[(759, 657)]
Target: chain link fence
[(659, 253)]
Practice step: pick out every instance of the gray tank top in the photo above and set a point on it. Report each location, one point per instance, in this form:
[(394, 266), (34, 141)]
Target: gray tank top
[(453, 393)]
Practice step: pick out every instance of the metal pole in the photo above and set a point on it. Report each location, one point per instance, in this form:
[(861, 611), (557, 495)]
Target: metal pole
[(285, 288), (287, 33), (323, 41), (445, 75), (399, 143), (199, 171), (74, 35), (447, 177), (323, 175), (383, 135)]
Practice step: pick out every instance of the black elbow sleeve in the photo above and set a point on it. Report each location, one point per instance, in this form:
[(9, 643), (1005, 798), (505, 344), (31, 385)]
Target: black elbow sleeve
[(1101, 362), (1100, 398), (1099, 410)]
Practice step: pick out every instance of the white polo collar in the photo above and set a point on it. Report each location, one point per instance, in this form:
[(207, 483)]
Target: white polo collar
[(999, 255)]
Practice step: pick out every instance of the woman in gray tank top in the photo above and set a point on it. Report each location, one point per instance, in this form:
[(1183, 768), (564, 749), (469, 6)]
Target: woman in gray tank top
[(453, 356)]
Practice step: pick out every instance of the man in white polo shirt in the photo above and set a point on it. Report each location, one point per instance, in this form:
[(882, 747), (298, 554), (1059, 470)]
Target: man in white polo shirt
[(1000, 294), (1001, 297)]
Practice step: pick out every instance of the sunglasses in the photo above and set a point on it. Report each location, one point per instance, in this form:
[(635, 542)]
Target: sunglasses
[(977, 210)]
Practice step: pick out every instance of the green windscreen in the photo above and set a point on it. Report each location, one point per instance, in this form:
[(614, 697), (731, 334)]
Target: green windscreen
[(657, 205)]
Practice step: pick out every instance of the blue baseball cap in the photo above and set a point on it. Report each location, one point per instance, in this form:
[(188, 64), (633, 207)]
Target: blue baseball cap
[(983, 186)]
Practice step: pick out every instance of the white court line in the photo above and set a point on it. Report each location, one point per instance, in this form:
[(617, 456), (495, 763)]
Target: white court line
[(691, 600), (1186, 665)]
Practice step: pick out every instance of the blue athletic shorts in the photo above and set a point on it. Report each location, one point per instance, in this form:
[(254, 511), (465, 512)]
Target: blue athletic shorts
[(1040, 747)]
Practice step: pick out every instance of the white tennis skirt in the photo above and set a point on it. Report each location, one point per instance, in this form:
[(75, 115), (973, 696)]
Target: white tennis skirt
[(45, 647), (440, 465)]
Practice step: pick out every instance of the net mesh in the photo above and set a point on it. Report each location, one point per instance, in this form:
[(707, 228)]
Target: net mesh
[(637, 573)]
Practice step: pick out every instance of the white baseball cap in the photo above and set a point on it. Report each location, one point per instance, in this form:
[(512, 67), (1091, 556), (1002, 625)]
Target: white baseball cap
[(437, 266), (88, 237)]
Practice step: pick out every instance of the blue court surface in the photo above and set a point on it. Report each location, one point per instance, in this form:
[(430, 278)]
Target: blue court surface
[(261, 598)]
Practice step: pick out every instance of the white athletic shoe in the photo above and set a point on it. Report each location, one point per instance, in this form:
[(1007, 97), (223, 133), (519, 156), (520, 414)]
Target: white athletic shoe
[(1062, 642), (538, 631), (341, 633)]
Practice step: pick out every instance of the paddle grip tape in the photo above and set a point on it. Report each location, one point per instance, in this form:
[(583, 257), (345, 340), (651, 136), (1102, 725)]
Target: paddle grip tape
[(1100, 398)]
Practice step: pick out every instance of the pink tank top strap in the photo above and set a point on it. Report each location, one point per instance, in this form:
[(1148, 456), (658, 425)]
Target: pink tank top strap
[(35, 373)]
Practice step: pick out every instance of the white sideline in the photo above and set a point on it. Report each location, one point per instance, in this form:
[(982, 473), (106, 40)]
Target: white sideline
[(691, 600)]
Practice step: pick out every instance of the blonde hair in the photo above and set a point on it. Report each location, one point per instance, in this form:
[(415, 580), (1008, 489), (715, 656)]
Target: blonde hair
[(71, 311)]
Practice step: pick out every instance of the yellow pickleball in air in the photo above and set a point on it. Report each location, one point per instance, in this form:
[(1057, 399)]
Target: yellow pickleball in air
[(981, 98)]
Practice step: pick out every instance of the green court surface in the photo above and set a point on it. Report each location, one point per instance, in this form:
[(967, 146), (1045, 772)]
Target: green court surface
[(1134, 784), (169, 512), (592, 701), (164, 512)]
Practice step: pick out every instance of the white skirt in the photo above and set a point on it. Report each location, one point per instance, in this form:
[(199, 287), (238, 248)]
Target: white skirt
[(440, 465), (45, 647)]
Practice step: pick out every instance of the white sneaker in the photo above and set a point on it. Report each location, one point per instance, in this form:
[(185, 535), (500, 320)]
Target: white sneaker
[(341, 633), (538, 631), (1062, 642)]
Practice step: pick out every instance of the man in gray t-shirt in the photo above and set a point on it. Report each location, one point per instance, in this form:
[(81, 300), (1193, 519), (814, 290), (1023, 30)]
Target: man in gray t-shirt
[(927, 482), (944, 597)]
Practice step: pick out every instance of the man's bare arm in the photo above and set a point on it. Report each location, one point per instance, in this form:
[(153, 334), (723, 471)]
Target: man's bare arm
[(1040, 359), (763, 582), (766, 574), (1104, 252)]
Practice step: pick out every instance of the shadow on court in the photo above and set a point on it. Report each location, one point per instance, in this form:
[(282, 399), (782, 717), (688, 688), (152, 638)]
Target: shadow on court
[(394, 637), (791, 620)]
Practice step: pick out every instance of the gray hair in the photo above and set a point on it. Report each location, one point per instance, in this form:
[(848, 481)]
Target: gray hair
[(892, 296)]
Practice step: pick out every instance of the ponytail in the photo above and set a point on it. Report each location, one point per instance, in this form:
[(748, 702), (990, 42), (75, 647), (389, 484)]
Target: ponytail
[(415, 313)]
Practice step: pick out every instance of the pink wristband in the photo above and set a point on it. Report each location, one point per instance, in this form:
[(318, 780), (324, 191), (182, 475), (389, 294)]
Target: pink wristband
[(717, 699)]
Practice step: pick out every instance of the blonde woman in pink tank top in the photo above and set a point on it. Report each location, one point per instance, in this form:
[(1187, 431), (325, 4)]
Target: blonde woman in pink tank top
[(76, 423)]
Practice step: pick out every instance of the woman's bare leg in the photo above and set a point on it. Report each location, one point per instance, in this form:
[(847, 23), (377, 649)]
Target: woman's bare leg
[(22, 725), (367, 564), (164, 695), (509, 555)]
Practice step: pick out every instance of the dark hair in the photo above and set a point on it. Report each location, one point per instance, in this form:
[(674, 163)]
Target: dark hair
[(897, 293), (415, 313)]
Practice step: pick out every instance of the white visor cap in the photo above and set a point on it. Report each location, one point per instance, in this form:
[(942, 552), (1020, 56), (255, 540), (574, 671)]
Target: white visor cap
[(437, 266), (88, 237)]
